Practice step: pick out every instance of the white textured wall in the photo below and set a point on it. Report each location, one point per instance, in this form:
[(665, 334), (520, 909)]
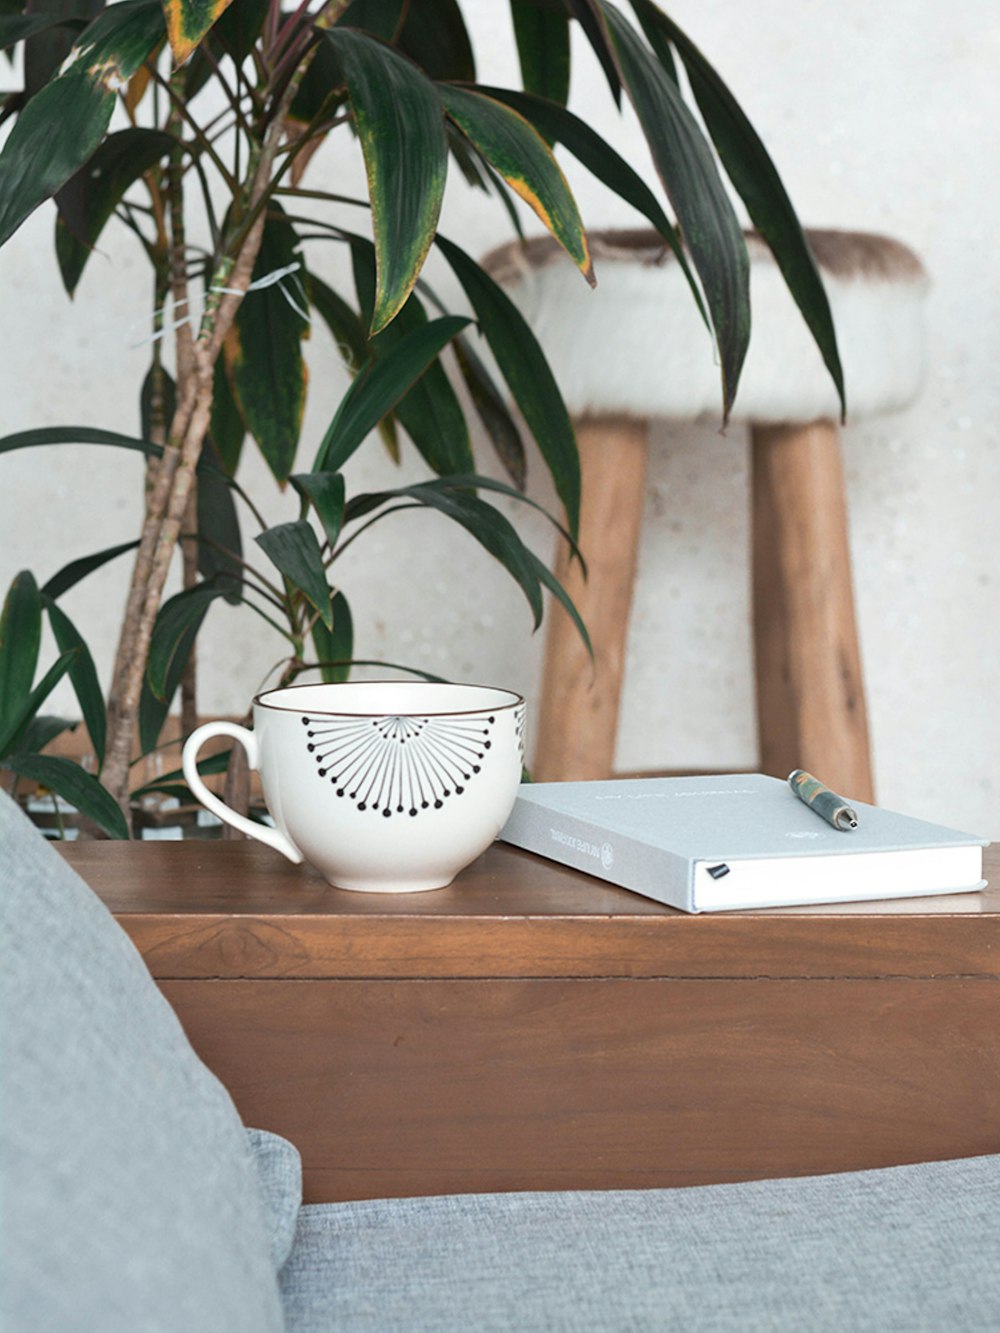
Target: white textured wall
[(879, 118)]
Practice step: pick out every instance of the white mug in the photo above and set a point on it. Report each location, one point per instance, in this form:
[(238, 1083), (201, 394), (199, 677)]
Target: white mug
[(384, 786)]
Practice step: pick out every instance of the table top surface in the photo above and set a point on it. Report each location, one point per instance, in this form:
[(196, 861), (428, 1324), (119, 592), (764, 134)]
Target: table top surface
[(204, 877), (238, 909)]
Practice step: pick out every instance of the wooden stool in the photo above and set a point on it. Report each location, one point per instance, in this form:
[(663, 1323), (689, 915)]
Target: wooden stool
[(636, 350)]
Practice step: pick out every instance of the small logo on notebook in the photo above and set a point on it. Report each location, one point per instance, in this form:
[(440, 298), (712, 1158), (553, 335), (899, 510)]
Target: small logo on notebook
[(607, 855)]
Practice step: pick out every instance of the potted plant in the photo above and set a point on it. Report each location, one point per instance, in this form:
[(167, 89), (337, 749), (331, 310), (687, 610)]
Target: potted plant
[(401, 76)]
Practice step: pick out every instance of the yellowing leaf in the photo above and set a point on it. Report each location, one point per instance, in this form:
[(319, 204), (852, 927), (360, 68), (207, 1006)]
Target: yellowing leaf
[(522, 157), (136, 90), (188, 21)]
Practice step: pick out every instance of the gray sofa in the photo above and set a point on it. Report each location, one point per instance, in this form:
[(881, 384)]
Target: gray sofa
[(132, 1198)]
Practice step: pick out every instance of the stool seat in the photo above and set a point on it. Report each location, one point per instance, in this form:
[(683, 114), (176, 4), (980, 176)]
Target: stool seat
[(636, 350), (643, 306)]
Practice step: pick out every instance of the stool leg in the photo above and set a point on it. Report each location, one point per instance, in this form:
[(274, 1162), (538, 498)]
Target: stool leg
[(578, 708), (810, 694)]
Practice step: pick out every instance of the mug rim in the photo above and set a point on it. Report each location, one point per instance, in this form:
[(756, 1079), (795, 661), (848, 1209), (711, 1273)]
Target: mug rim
[(260, 700)]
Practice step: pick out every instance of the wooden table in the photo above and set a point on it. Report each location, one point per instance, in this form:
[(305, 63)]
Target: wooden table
[(533, 1028)]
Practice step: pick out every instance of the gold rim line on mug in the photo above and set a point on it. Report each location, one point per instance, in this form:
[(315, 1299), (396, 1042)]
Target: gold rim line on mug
[(516, 700)]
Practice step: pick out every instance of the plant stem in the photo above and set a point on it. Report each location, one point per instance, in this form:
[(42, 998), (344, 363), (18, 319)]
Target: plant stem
[(178, 103), (175, 478)]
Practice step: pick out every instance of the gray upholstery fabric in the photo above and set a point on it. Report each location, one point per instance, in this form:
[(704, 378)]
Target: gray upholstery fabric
[(279, 1172), (129, 1199), (890, 1251)]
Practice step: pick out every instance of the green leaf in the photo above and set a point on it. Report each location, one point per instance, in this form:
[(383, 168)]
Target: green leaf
[(82, 674), (348, 333), (121, 39), (239, 27), (321, 88), (380, 388), (492, 411), (430, 411), (546, 577), (13, 728), (336, 645), (588, 14), (344, 324), (263, 352), (489, 527), (435, 36), (687, 169), (215, 763), (76, 570), (177, 617), (45, 52), (400, 122), (153, 711), (220, 547), (558, 125), (522, 364), (325, 491), (293, 548), (29, 439), (525, 161), (188, 21), (54, 135), (469, 162), (18, 27), (380, 18), (20, 638), (492, 530), (543, 50), (42, 730), (69, 781), (361, 505), (226, 428), (756, 179), (90, 196)]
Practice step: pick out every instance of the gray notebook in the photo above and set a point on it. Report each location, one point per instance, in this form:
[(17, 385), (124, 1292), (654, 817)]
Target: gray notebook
[(745, 840)]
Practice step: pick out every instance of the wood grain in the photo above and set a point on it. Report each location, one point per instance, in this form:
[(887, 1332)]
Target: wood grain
[(534, 1028), (392, 1088), (579, 700), (810, 694), (239, 910)]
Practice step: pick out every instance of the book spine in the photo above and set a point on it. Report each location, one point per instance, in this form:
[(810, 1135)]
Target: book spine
[(597, 850)]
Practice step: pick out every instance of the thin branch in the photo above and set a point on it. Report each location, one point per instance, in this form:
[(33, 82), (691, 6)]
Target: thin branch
[(249, 503), (306, 137), (213, 223), (288, 28), (201, 138), (274, 593), (273, 623), (124, 214), (232, 97), (285, 68)]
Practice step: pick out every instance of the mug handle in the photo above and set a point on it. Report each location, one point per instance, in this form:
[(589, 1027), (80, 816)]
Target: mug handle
[(189, 762)]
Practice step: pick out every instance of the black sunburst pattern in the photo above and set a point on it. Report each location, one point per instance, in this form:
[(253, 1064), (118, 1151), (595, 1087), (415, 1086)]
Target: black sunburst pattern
[(519, 730), (399, 765)]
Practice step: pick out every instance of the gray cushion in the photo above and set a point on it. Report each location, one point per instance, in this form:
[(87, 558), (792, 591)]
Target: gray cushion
[(279, 1175), (913, 1247), (129, 1191)]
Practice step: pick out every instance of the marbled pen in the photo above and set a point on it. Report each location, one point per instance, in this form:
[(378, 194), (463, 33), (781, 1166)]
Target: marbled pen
[(819, 798)]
